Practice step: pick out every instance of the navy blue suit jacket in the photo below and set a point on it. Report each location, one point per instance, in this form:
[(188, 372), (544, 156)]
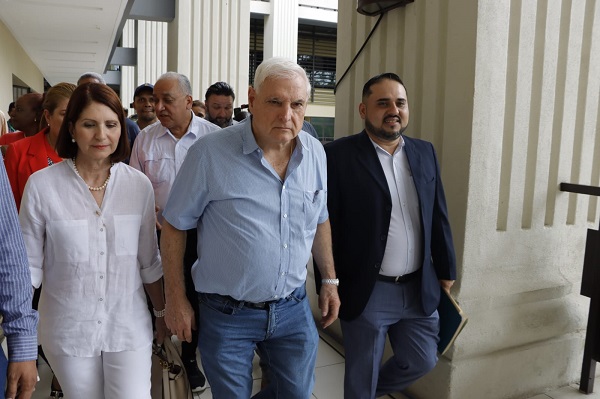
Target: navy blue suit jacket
[(360, 206)]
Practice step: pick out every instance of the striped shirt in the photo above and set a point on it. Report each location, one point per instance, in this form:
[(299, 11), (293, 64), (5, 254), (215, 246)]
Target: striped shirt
[(19, 319)]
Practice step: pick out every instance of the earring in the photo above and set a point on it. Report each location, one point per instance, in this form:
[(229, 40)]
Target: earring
[(72, 140)]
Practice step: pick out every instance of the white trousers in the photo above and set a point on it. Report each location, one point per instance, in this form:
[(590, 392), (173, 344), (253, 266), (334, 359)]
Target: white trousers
[(112, 375)]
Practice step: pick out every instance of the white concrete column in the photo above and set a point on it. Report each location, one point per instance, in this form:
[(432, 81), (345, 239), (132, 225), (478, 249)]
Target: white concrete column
[(208, 42), (281, 30)]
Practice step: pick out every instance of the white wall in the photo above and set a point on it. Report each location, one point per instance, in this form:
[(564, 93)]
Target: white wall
[(508, 92), (15, 62)]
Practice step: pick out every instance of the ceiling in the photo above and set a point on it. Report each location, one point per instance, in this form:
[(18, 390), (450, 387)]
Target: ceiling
[(66, 38)]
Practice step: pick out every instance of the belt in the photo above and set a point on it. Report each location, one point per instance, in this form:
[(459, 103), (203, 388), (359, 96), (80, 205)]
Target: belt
[(251, 305), (398, 279)]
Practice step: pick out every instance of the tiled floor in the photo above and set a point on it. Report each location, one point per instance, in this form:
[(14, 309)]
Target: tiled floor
[(329, 372), (569, 392)]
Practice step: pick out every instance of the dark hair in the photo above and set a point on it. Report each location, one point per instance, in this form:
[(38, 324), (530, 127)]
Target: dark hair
[(219, 89), (35, 100), (378, 78), (91, 76), (11, 106), (82, 97)]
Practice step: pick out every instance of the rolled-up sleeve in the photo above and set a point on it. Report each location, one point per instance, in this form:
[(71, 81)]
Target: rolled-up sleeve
[(148, 253)]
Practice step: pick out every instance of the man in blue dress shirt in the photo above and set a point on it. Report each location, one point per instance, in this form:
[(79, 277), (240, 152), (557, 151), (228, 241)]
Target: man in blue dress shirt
[(20, 320), (256, 192)]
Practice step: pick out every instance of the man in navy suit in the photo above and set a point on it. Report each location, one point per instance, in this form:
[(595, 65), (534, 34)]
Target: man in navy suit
[(392, 244)]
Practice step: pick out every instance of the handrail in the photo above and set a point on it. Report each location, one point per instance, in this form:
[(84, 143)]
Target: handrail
[(580, 189), (591, 352)]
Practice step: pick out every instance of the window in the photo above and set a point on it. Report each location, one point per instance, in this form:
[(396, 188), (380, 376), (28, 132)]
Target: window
[(324, 128), (316, 54)]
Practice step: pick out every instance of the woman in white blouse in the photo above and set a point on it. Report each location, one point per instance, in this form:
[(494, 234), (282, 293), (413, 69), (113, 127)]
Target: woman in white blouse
[(89, 228)]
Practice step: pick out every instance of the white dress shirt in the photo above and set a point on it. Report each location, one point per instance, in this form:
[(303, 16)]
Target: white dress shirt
[(92, 261), (404, 241), (159, 155)]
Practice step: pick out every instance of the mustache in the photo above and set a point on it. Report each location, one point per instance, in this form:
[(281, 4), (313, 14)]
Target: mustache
[(392, 116)]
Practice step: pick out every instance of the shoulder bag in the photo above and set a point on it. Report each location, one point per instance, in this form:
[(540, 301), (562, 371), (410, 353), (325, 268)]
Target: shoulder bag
[(175, 382)]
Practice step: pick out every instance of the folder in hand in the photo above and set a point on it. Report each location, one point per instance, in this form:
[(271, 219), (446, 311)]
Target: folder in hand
[(452, 321)]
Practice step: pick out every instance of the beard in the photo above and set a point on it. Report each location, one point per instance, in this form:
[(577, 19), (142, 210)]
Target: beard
[(382, 133), (146, 117), (221, 122)]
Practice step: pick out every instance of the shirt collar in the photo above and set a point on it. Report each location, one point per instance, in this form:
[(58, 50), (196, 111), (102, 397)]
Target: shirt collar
[(398, 149), (192, 128)]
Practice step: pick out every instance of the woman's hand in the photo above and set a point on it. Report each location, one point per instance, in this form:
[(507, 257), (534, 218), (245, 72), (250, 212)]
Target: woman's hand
[(161, 330)]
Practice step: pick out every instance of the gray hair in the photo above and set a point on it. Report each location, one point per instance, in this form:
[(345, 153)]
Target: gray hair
[(91, 75), (182, 80), (279, 68)]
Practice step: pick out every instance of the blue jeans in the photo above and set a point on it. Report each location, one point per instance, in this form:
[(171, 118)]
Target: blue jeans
[(3, 371), (284, 332)]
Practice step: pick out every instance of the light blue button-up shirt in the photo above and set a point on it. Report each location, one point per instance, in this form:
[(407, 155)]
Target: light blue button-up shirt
[(255, 232)]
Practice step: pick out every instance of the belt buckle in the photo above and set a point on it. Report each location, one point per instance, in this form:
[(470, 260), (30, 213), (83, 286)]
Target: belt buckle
[(396, 279), (256, 305)]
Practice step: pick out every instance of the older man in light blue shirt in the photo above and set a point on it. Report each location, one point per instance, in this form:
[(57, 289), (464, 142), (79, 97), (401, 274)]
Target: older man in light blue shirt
[(257, 194)]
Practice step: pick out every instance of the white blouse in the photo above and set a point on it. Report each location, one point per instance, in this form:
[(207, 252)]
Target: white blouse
[(92, 261)]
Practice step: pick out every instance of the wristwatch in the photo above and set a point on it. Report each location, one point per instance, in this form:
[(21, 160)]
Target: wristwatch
[(332, 281)]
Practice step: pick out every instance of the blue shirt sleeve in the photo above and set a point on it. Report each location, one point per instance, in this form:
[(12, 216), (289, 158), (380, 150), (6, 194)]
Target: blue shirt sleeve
[(19, 319)]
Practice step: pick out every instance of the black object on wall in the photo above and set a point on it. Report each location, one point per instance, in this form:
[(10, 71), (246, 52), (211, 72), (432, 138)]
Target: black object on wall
[(589, 287), (376, 7)]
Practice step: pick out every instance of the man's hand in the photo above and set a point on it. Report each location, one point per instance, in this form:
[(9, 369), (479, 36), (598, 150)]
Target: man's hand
[(179, 318), (179, 315), (22, 377), (446, 284), (329, 303)]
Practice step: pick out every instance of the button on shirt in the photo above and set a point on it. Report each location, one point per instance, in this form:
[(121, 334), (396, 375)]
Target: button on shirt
[(159, 155), (255, 232), (93, 261), (404, 237)]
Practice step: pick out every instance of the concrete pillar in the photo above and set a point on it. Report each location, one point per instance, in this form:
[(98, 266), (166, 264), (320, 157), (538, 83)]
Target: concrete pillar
[(281, 30), (208, 42)]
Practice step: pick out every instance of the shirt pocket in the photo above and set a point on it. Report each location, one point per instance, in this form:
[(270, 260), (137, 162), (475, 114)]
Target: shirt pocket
[(314, 201), (157, 170), (69, 240), (127, 234)]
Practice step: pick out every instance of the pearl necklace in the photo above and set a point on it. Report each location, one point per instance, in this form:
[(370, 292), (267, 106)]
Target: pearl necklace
[(100, 188)]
